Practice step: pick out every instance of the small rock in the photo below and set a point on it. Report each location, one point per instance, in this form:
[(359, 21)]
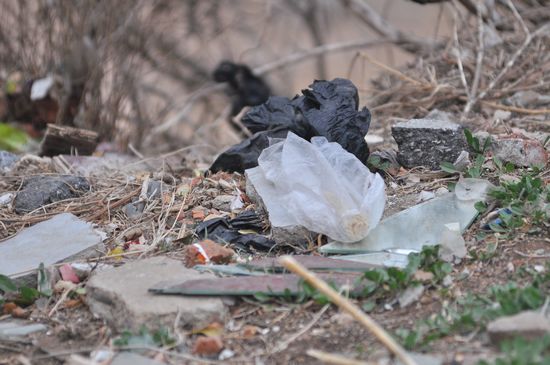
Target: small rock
[(292, 235), (428, 142), (424, 196), (447, 281), (222, 202), (207, 251), (510, 267), (6, 198), (41, 190), (226, 354), (529, 325), (131, 358), (437, 114), (207, 346), (423, 276), (121, 296), (502, 115), (7, 161), (134, 210), (520, 151), (343, 319), (528, 98), (155, 188), (410, 295)]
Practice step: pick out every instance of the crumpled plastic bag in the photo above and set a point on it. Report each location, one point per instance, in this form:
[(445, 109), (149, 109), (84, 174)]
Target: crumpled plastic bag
[(328, 108), (319, 186)]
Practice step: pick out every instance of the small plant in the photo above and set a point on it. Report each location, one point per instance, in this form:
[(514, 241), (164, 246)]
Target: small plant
[(520, 351), (23, 296), (145, 338), (478, 149)]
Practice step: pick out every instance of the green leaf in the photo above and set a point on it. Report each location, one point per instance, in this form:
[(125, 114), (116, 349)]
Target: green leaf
[(12, 139), (6, 284), (449, 167)]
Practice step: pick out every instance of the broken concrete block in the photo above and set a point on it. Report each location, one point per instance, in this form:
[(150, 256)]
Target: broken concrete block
[(520, 151), (49, 242), (428, 142), (41, 190), (528, 324), (121, 296)]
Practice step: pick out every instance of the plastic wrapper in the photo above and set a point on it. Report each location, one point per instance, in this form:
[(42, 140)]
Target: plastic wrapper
[(319, 186)]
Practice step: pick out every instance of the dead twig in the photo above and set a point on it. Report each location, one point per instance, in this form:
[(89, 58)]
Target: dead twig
[(479, 64), (328, 358), (346, 305)]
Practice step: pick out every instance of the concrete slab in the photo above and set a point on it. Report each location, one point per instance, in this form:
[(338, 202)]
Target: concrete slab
[(120, 295)]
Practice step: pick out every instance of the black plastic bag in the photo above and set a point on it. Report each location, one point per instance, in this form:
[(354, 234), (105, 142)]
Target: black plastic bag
[(227, 230), (328, 108)]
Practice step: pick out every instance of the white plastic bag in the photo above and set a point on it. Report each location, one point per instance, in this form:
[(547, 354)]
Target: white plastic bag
[(319, 186)]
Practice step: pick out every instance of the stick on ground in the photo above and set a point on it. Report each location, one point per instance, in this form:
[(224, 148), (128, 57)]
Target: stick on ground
[(346, 305)]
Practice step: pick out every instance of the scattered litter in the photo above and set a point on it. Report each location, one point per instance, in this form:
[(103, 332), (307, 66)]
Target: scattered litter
[(226, 354), (428, 142), (207, 251), (38, 191), (13, 329), (422, 224), (226, 230), (328, 109), (320, 186), (25, 252)]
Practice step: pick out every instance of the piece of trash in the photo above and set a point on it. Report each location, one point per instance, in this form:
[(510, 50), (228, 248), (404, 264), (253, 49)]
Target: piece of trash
[(428, 142), (272, 285), (38, 191), (422, 224), (383, 258), (68, 274), (41, 87), (373, 139), (24, 252), (226, 354), (227, 230), (319, 186), (205, 252), (327, 108), (314, 263), (16, 328), (452, 243)]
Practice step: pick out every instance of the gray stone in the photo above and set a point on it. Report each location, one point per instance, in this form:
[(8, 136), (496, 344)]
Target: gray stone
[(222, 202), (410, 295), (17, 328), (155, 188), (428, 142), (7, 160), (120, 295), (292, 235), (520, 151), (529, 325), (437, 114), (41, 190), (55, 240), (135, 209), (131, 358)]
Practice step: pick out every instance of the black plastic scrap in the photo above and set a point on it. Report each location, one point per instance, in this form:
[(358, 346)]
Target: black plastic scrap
[(327, 108), (227, 230)]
